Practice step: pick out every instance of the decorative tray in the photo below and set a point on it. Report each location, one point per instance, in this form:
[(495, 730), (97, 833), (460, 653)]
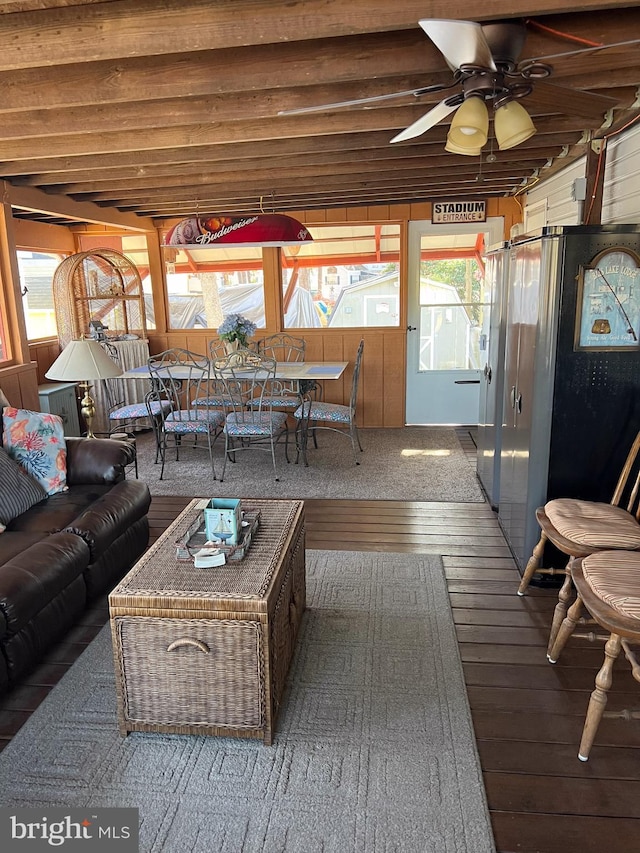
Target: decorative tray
[(195, 539)]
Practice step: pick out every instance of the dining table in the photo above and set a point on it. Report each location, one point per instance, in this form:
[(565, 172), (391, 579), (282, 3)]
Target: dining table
[(306, 374), (299, 371)]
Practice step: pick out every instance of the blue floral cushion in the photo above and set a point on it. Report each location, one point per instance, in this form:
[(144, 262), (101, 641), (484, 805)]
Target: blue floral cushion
[(193, 421), (36, 441), (139, 410), (267, 423), (324, 412)]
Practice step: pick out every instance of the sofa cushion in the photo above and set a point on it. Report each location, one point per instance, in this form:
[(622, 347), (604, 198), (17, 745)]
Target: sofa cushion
[(56, 512), (36, 441), (19, 490), (33, 578), (97, 460), (107, 518)]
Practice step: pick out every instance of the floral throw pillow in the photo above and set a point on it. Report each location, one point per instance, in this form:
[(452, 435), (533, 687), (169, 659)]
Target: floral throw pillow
[(36, 441)]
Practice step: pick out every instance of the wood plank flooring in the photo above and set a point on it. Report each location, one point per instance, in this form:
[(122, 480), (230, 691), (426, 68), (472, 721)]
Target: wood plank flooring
[(527, 714)]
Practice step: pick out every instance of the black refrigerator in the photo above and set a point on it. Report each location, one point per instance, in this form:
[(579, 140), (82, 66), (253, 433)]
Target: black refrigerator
[(571, 395)]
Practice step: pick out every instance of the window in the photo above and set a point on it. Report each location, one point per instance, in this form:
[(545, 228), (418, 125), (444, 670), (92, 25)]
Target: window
[(453, 311), (348, 276), (36, 276), (204, 285)]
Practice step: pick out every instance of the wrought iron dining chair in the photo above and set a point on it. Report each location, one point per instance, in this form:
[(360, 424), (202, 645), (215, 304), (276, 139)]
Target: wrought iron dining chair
[(608, 586), (284, 348), (126, 418), (181, 377), (215, 395), (257, 426), (314, 414), (579, 528)]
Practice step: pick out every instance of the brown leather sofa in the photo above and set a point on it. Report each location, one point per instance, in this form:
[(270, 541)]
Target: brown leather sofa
[(68, 549)]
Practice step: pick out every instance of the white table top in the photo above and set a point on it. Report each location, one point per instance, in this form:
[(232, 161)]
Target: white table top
[(312, 370)]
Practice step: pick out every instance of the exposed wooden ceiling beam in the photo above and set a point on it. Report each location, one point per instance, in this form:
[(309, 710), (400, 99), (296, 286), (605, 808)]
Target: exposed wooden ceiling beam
[(58, 36)]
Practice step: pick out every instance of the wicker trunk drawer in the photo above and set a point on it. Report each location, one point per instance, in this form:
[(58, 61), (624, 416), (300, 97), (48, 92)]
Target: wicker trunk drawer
[(191, 672), (208, 651)]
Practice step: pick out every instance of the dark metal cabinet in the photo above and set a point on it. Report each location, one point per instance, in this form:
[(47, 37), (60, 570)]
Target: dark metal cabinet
[(569, 416)]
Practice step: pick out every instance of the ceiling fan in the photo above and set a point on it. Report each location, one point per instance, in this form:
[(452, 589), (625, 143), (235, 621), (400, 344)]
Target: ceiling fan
[(484, 61)]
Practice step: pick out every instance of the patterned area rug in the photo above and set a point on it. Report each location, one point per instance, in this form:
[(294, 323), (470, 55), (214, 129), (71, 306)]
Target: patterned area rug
[(413, 463), (374, 749)]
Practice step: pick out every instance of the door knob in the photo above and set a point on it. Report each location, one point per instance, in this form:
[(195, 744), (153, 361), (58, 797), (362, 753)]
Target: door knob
[(411, 328)]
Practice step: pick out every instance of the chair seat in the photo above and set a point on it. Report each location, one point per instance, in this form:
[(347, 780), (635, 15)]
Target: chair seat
[(218, 401), (324, 412), (264, 423), (594, 525), (289, 402), (139, 410), (193, 421), (614, 576)]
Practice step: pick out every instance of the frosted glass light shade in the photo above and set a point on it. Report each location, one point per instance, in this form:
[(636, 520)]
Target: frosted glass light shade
[(512, 125), (470, 125), (456, 149)]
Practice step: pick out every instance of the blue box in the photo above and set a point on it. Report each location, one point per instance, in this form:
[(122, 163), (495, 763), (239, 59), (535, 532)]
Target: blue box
[(223, 520)]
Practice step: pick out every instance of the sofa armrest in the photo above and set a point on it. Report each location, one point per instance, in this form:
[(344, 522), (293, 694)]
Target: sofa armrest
[(93, 461)]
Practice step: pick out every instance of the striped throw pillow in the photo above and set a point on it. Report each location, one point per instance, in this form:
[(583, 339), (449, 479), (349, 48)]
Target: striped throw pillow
[(19, 492)]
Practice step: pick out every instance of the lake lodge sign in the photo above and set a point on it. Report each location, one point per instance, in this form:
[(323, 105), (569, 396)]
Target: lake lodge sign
[(453, 210)]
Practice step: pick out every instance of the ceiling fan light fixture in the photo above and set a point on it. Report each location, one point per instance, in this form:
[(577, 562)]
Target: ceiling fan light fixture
[(512, 124), (470, 124), (469, 151)]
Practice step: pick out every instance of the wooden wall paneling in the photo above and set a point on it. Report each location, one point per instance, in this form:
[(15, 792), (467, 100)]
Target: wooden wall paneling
[(20, 384), (371, 390), (394, 349)]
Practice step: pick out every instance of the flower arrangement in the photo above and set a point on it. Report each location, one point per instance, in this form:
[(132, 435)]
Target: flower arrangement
[(235, 327)]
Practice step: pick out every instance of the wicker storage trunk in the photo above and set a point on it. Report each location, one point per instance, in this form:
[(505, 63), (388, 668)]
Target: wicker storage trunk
[(207, 651)]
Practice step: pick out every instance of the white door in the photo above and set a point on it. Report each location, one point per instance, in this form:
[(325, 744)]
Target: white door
[(447, 327)]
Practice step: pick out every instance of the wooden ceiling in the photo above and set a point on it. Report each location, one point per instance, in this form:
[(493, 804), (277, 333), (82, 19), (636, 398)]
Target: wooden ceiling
[(169, 107)]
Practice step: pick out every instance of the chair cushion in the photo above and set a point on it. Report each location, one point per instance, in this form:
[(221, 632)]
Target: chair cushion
[(325, 412), (193, 421), (614, 576), (284, 401), (139, 410), (596, 525), (36, 441), (267, 423)]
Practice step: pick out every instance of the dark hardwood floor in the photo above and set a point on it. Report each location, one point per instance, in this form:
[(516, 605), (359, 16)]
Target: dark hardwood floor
[(527, 714)]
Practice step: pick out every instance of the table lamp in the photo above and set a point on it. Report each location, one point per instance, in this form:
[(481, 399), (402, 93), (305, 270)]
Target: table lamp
[(82, 361)]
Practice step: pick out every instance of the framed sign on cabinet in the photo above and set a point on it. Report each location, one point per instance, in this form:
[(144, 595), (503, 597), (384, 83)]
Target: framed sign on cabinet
[(608, 310)]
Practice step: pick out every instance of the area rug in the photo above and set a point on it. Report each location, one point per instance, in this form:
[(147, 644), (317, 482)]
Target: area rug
[(374, 748), (412, 463)]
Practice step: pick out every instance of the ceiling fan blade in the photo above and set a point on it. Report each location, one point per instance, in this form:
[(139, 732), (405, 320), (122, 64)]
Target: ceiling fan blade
[(587, 104), (442, 110), (423, 90), (460, 42), (577, 52)]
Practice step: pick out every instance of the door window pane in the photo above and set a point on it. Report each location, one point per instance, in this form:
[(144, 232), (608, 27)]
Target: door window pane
[(348, 276), (452, 314)]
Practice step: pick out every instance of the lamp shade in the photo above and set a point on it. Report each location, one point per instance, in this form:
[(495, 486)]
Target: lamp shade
[(81, 361), (457, 149), (512, 125), (267, 229), (470, 125)]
